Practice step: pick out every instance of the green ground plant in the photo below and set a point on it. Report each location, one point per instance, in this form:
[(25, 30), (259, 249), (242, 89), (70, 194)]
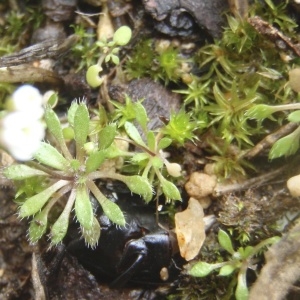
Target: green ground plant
[(14, 27), (240, 261), (109, 53), (239, 71), (159, 63), (70, 178)]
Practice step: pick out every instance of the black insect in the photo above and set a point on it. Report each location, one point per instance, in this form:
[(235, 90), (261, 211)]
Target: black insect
[(141, 252)]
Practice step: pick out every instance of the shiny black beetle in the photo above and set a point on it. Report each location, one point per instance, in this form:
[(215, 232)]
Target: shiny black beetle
[(140, 253)]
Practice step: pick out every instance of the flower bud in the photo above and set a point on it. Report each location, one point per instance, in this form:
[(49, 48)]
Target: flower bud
[(173, 169)]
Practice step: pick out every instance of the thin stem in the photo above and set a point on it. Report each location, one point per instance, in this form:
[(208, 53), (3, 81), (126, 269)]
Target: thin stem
[(257, 181), (96, 192), (65, 150), (264, 243), (97, 175), (52, 173), (137, 145), (57, 196), (290, 106), (147, 169)]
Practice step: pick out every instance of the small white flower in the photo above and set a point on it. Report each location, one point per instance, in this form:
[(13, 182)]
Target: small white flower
[(21, 134), (27, 99)]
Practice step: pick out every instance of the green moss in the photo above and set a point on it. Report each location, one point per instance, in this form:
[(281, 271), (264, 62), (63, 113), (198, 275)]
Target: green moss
[(17, 26), (239, 71), (147, 61)]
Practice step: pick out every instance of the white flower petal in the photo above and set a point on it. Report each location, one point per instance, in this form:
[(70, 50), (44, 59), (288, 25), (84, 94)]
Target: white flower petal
[(27, 98), (21, 134)]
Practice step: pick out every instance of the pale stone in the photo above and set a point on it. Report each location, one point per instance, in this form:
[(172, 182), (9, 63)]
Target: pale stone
[(293, 185), (200, 185)]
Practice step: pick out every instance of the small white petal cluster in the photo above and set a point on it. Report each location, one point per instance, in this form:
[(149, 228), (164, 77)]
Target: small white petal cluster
[(21, 129)]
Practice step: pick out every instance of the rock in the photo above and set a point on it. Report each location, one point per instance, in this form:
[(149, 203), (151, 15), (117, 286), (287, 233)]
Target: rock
[(200, 185)]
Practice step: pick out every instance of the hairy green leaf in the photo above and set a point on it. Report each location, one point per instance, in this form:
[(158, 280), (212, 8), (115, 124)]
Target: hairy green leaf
[(113, 212), (92, 235), (169, 189), (95, 160), (139, 185), (83, 207), (132, 131), (38, 226), (107, 135), (60, 227), (54, 125), (49, 156), (33, 204), (71, 112), (81, 125), (141, 115), (286, 146), (21, 172)]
